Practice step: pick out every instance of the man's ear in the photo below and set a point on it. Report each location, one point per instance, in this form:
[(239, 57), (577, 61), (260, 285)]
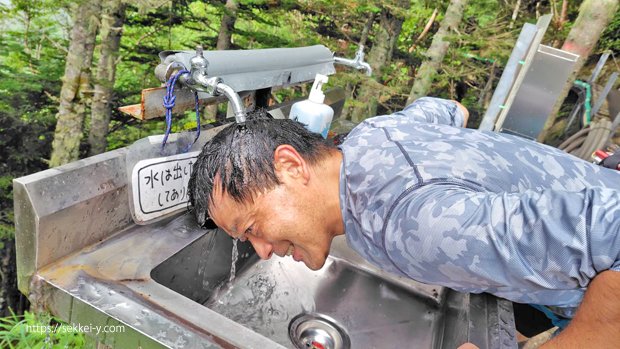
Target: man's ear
[(288, 163)]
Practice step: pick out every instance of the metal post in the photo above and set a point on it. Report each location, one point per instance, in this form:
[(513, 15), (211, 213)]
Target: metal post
[(508, 76), (599, 67), (603, 96)]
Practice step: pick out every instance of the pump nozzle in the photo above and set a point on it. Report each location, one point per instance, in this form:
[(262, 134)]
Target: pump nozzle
[(316, 93)]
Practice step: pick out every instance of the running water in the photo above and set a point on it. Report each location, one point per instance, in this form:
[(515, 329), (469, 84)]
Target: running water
[(225, 288), (233, 266)]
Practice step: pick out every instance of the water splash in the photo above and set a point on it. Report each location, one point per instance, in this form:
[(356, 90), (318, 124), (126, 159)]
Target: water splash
[(264, 298)]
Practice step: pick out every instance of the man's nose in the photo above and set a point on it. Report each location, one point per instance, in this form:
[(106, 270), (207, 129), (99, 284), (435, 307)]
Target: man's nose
[(263, 248)]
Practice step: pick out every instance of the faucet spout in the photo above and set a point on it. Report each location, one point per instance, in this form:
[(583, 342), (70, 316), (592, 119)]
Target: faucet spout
[(235, 101), (357, 63)]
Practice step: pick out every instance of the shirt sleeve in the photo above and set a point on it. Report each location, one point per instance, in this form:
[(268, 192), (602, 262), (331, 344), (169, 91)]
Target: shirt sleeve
[(433, 110), (514, 245)]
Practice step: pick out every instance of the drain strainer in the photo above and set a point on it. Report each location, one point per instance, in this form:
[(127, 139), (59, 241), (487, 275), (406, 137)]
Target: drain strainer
[(317, 331)]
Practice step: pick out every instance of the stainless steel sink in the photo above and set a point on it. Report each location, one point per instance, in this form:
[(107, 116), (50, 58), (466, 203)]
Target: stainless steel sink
[(347, 303)]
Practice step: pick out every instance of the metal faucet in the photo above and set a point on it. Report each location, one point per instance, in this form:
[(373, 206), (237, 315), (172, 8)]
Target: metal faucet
[(357, 63), (199, 80)]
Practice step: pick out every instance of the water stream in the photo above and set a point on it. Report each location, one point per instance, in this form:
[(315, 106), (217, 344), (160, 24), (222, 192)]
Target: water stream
[(226, 287), (233, 266)]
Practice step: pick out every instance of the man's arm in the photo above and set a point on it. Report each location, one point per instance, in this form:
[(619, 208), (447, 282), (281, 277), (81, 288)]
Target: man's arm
[(539, 247), (436, 111), (597, 322)]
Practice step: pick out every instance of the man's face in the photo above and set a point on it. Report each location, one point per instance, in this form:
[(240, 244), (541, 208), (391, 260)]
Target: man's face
[(299, 217), (282, 221)]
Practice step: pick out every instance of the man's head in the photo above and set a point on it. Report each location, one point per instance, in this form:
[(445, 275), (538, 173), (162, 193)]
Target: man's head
[(273, 183)]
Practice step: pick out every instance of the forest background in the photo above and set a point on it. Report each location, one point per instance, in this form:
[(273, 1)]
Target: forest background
[(67, 65)]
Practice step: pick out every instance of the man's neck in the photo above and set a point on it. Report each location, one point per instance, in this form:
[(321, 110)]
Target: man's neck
[(328, 172)]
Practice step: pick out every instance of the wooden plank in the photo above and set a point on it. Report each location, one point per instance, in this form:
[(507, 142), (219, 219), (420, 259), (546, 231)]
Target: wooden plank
[(152, 100)]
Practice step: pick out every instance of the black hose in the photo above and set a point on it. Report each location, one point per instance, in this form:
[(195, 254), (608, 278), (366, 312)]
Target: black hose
[(574, 144), (570, 139), (587, 140)]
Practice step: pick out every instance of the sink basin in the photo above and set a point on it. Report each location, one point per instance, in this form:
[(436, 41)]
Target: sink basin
[(266, 294), (369, 307)]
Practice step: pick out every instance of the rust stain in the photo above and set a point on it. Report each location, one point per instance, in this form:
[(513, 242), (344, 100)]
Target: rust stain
[(134, 110), (63, 273)]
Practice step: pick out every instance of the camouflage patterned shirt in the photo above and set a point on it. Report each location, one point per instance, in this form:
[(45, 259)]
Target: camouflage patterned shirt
[(477, 211)]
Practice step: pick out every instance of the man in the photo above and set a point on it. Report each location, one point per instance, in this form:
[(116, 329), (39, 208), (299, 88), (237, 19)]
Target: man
[(423, 198)]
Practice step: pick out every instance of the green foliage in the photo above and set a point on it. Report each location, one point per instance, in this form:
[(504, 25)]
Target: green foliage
[(32, 331), (610, 40), (30, 71), (26, 143), (483, 12), (7, 229)]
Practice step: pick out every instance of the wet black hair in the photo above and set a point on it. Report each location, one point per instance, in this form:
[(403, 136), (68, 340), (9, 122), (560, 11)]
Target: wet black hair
[(241, 156)]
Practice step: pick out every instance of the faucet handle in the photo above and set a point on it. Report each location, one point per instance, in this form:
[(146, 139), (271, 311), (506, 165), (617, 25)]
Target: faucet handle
[(199, 61), (199, 51)]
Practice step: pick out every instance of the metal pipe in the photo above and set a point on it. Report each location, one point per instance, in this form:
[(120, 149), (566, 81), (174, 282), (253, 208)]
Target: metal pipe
[(235, 101)]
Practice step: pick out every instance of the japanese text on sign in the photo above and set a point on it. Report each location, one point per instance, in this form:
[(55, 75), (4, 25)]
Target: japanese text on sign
[(160, 185)]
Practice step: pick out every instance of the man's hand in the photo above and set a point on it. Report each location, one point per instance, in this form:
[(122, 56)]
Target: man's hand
[(465, 113), (597, 321)]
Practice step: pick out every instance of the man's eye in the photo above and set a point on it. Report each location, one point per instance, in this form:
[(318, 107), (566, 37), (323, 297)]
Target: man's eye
[(244, 236)]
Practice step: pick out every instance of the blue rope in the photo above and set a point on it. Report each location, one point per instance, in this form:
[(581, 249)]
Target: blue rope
[(169, 101)]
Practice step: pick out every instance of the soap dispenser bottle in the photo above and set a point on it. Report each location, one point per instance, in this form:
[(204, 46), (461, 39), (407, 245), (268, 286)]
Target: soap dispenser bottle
[(312, 112)]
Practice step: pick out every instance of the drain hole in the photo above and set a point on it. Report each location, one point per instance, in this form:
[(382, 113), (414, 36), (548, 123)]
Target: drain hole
[(317, 331)]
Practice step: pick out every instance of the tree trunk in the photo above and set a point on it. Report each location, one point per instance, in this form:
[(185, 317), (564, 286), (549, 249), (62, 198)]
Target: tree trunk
[(390, 25), (228, 24), (436, 52), (112, 20), (515, 13), (594, 15), (75, 84), (224, 41)]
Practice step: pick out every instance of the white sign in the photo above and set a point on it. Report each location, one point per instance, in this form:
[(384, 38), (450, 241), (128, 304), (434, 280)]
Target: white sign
[(160, 185)]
